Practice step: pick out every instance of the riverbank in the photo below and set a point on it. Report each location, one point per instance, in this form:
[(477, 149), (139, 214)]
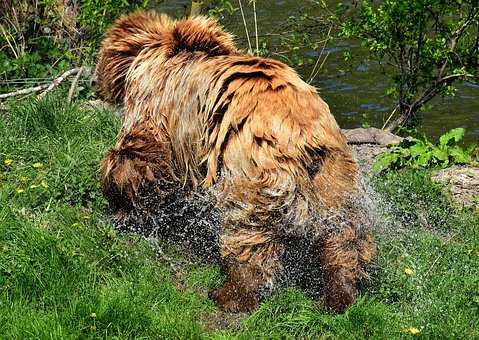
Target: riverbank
[(66, 273)]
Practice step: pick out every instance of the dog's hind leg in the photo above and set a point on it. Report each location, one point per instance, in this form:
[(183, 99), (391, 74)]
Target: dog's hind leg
[(250, 246), (251, 260), (346, 247), (343, 257)]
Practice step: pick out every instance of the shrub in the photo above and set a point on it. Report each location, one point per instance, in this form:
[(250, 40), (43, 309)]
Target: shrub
[(417, 153), (427, 45)]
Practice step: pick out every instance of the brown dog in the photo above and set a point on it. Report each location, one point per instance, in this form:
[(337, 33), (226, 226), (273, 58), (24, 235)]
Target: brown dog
[(200, 114)]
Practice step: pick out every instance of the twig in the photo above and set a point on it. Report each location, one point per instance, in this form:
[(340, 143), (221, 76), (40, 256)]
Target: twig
[(28, 90), (256, 27), (7, 39), (390, 116), (58, 80), (74, 84), (52, 84), (245, 26), (315, 72), (320, 66)]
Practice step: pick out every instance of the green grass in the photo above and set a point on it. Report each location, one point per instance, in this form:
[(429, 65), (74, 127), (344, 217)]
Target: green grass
[(66, 273)]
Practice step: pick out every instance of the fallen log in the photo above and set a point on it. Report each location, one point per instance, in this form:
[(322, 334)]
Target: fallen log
[(57, 81)]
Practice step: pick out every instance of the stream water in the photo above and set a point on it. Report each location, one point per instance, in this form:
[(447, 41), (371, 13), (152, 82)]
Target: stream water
[(356, 95)]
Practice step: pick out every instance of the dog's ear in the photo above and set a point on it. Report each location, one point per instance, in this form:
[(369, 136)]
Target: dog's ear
[(201, 34)]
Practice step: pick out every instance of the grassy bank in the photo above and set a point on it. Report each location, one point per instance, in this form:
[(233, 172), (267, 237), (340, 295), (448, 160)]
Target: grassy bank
[(66, 273)]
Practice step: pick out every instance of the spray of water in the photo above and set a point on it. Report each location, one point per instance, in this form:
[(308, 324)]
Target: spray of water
[(191, 221)]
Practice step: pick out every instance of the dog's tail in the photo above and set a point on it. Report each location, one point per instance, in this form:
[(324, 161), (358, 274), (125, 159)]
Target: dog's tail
[(134, 33)]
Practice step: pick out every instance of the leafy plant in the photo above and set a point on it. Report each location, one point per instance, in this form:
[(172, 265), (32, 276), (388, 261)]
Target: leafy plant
[(427, 45), (417, 153), (40, 39), (218, 8), (96, 15)]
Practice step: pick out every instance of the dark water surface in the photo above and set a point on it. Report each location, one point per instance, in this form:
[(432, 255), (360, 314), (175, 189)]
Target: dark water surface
[(354, 91)]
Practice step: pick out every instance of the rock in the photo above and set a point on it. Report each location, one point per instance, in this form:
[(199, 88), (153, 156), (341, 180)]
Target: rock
[(368, 143), (462, 182), (365, 155), (371, 136)]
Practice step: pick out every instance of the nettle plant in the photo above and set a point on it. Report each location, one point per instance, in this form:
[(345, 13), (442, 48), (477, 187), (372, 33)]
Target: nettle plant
[(426, 45), (421, 153)]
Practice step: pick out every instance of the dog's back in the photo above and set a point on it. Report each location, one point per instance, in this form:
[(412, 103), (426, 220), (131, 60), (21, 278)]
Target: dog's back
[(216, 106)]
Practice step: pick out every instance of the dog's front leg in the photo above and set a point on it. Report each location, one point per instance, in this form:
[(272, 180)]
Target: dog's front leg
[(140, 157), (252, 261)]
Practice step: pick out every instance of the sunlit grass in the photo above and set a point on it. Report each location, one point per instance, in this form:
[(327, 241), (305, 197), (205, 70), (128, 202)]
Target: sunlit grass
[(66, 273)]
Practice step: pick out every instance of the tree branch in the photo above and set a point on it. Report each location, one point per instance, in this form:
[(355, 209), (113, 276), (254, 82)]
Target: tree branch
[(51, 86), (74, 84), (28, 90), (456, 35), (57, 81)]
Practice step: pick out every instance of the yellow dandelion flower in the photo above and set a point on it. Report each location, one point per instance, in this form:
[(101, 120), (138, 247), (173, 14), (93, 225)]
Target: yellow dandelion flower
[(19, 191), (412, 331), (44, 184), (8, 162), (409, 271), (37, 165)]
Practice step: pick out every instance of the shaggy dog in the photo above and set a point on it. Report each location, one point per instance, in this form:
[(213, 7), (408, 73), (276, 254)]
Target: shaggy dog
[(199, 114)]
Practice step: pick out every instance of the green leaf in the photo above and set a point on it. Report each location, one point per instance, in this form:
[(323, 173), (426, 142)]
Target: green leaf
[(424, 160), (455, 135), (459, 155), (385, 161), (440, 154), (418, 149)]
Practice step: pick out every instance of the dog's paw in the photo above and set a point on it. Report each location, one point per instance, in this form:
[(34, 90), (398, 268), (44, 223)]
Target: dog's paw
[(234, 299), (339, 296)]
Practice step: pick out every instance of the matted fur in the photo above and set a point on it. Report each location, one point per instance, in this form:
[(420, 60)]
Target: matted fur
[(200, 114)]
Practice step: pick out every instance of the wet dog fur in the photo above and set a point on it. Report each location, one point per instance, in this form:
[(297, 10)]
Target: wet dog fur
[(201, 116)]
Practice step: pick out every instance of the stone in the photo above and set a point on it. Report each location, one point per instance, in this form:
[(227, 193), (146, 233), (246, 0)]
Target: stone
[(462, 183)]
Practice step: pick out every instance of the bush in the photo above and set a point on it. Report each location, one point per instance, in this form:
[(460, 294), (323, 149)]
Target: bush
[(427, 45)]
